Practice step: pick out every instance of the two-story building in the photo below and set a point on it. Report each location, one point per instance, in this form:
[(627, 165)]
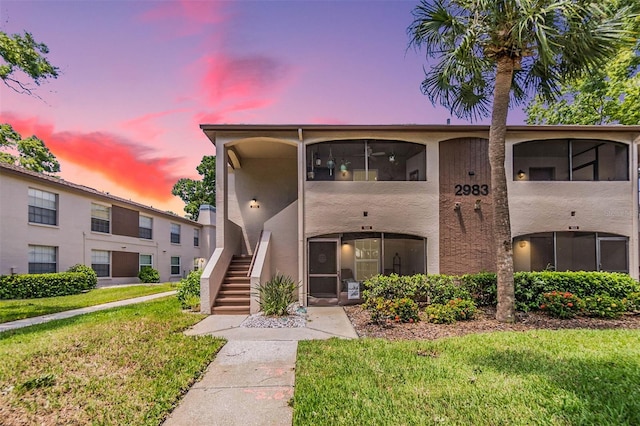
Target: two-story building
[(331, 205), (48, 224)]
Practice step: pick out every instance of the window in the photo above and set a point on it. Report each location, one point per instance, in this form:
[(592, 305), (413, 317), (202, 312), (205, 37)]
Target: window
[(175, 233), (366, 160), (175, 265), (367, 258), (100, 218), (43, 207), (196, 238), (43, 259), (101, 262), (146, 261), (571, 251), (571, 160), (145, 227)]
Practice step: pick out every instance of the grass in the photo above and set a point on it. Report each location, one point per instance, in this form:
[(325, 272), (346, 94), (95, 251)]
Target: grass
[(543, 377), (17, 309), (122, 366)]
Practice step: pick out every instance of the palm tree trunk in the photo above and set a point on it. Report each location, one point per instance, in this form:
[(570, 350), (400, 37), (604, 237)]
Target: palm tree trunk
[(501, 222)]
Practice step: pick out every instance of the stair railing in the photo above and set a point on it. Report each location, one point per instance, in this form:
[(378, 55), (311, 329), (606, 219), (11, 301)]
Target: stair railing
[(253, 257)]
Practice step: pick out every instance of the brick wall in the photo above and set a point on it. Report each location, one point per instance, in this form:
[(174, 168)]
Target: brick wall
[(465, 232)]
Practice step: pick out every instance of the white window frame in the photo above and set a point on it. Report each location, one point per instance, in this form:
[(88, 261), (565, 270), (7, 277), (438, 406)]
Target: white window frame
[(40, 255), (99, 260), (42, 200), (101, 212), (175, 226), (172, 265), (142, 265), (142, 225)]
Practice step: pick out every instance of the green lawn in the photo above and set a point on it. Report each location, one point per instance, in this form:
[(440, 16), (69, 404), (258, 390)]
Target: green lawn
[(123, 366), (11, 310), (568, 377)]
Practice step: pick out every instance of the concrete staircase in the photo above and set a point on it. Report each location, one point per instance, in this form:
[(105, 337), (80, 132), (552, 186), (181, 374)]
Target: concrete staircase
[(235, 293)]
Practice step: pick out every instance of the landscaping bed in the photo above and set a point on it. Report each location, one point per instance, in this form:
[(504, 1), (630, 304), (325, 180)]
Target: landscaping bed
[(483, 323)]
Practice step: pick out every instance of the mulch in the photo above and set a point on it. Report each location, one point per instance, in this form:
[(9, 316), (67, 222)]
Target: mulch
[(484, 322)]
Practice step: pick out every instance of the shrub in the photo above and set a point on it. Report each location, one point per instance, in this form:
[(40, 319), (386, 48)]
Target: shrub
[(92, 277), (440, 314), (463, 309), (419, 288), (482, 287), (603, 306), (188, 292), (149, 275), (29, 286), (276, 295), (399, 310), (632, 302), (560, 304)]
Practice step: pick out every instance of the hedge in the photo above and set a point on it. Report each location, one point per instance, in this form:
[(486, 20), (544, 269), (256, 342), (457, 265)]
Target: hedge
[(481, 287), (28, 286)]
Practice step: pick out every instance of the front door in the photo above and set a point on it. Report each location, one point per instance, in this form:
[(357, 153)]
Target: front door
[(324, 274)]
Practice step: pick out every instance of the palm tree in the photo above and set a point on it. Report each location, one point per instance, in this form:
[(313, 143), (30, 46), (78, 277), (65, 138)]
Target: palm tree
[(505, 50)]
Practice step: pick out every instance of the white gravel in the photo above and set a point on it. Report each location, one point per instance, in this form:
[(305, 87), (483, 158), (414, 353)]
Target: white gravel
[(297, 318)]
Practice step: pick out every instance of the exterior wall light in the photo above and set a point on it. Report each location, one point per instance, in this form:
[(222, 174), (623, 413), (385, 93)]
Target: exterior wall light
[(522, 243), (521, 174), (456, 206), (477, 205), (254, 203)]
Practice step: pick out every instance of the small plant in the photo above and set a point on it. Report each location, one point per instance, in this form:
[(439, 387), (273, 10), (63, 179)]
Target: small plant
[(92, 277), (149, 275), (276, 295), (464, 309), (560, 304), (438, 313), (189, 290), (604, 306), (399, 310)]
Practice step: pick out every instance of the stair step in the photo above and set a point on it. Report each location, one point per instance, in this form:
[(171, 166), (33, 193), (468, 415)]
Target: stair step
[(234, 292), (230, 310), (235, 286), (237, 273), (240, 280), (226, 300)]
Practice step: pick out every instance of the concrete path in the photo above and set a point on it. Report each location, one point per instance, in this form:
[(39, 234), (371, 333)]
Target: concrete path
[(252, 378), (72, 313)]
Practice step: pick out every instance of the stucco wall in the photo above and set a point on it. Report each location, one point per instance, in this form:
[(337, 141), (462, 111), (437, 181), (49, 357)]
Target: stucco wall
[(284, 241), (73, 236)]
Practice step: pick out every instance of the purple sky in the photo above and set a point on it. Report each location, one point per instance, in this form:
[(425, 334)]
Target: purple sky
[(138, 77)]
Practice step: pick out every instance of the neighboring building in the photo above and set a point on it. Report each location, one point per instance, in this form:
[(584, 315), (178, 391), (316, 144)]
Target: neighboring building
[(48, 224), (332, 205)]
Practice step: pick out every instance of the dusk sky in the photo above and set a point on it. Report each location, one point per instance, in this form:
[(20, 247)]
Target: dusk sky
[(138, 77)]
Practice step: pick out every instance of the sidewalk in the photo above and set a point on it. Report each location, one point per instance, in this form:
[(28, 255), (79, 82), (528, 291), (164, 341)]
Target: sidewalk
[(252, 378), (72, 313)]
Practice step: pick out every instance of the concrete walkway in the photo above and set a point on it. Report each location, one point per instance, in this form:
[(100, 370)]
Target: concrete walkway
[(252, 378), (72, 313)]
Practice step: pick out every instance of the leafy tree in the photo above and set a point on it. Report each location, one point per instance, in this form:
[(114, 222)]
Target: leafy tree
[(609, 95), (500, 51), (23, 53), (32, 152), (197, 192)]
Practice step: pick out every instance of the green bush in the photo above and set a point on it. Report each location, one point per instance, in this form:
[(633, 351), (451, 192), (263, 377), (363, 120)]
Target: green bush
[(149, 275), (482, 287), (419, 288), (463, 309), (188, 292), (439, 313), (276, 295), (604, 306), (529, 286), (560, 304), (29, 286), (632, 302), (92, 277), (400, 310)]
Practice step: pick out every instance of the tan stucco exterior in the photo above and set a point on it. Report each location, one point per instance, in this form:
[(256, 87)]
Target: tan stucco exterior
[(264, 163), (73, 237)]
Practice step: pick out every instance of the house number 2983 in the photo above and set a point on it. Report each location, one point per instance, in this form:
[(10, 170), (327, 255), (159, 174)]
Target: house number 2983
[(472, 189)]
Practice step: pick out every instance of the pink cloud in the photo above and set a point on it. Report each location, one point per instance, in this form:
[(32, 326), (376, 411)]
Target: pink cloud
[(228, 77), (145, 126), (128, 164)]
